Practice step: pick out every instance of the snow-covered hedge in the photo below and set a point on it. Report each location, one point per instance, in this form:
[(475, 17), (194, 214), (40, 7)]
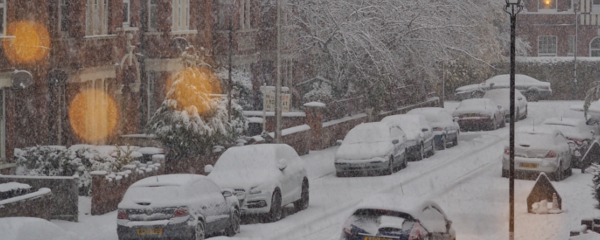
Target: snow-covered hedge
[(77, 160)]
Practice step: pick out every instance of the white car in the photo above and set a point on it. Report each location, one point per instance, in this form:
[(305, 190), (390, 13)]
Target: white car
[(29, 228), (419, 134), (501, 96), (187, 206), (392, 216), (530, 87), (579, 134), (371, 147), (264, 177), (445, 128), (539, 149)]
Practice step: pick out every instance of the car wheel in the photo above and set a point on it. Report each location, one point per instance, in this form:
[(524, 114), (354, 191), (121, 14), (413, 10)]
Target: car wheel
[(235, 220), (558, 174), (443, 142), (432, 151), (494, 125), (503, 123), (340, 174), (199, 231), (568, 172), (390, 169), (302, 203), (276, 211), (455, 141), (533, 97), (421, 153), (405, 162), (525, 115)]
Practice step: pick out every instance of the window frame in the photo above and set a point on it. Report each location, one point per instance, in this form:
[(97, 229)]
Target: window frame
[(595, 49), (126, 13), (3, 24), (90, 27), (540, 54), (571, 45), (180, 14), (150, 15), (245, 19), (552, 9)]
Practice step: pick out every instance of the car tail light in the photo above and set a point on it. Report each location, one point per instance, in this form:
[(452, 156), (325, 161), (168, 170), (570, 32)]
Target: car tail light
[(122, 215), (507, 151), (437, 129), (578, 141), (551, 154), (347, 228), (416, 232), (181, 212)]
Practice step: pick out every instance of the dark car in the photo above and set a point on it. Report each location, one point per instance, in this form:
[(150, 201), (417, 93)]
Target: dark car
[(392, 217), (479, 114), (182, 206)]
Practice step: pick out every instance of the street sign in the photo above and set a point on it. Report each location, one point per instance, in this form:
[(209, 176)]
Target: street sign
[(269, 99)]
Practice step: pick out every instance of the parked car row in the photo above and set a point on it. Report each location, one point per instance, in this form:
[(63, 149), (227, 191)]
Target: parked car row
[(532, 88), (490, 112), (386, 146), (247, 180)]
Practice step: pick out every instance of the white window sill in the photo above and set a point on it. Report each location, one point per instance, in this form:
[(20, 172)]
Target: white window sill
[(98, 37), (128, 29), (7, 37), (181, 32)]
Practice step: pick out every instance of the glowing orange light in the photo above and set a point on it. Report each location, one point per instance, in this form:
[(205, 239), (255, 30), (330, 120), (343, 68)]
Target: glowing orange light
[(93, 115), (193, 87), (547, 2), (31, 42)]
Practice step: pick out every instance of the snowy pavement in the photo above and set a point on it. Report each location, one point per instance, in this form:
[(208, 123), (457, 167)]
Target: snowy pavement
[(465, 180)]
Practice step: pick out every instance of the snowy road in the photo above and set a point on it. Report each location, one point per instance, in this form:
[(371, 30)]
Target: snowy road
[(465, 180)]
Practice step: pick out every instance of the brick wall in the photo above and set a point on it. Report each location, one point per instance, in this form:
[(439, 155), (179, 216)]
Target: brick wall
[(108, 189), (32, 205), (65, 193)]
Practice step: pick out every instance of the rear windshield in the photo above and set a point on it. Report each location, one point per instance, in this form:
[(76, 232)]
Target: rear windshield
[(382, 222), (153, 192)]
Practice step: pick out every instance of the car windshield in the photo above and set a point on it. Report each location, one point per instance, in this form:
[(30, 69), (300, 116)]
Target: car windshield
[(153, 192), (245, 159), (367, 134), (385, 222)]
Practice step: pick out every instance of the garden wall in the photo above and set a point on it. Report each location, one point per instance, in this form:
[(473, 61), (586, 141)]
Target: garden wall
[(29, 205), (65, 193), (108, 189)]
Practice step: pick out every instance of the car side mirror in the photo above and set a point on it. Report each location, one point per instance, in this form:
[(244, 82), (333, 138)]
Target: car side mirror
[(395, 141), (208, 168), (227, 193), (424, 130), (282, 164)]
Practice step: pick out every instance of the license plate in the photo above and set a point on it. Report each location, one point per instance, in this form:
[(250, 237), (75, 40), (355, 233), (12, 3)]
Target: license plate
[(376, 238), (149, 231), (529, 165)]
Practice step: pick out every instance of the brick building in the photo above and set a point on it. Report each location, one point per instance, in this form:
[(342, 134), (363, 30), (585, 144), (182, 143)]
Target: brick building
[(549, 27), (127, 49)]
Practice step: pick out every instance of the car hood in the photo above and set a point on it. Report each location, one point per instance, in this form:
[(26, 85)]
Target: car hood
[(238, 179), (358, 151), (467, 88), (473, 109)]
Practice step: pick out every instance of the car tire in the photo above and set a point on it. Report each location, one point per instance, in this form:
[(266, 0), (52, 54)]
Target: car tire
[(558, 174), (432, 151), (421, 153), (533, 97), (405, 162), (455, 141), (443, 140), (525, 115), (390, 169), (494, 125), (199, 231), (340, 174), (302, 203), (234, 220), (276, 211), (568, 172)]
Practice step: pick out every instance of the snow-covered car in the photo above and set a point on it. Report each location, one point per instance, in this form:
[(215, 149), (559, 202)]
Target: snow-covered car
[(579, 135), (187, 206), (501, 96), (371, 147), (29, 228), (445, 128), (539, 149), (479, 114), (395, 217), (264, 177), (532, 88), (419, 135)]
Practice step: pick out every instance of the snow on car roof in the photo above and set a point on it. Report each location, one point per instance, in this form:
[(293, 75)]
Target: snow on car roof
[(368, 132), (519, 79), (564, 121), (253, 156), (168, 180), (410, 124)]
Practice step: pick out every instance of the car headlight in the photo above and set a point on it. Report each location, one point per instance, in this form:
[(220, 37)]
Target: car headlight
[(258, 189)]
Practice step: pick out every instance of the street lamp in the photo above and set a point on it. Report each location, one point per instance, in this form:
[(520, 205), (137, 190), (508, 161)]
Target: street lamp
[(512, 7)]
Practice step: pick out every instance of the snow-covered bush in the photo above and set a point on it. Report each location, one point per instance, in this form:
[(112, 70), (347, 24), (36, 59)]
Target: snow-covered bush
[(320, 92), (62, 161), (191, 121)]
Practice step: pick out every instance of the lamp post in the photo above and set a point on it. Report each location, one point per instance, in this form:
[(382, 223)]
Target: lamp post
[(512, 7), (575, 9)]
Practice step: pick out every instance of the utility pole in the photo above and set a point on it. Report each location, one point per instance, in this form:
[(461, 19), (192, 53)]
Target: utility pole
[(278, 84), (230, 84), (576, 10)]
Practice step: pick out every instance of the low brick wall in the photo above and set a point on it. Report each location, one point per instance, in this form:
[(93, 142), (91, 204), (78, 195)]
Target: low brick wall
[(298, 138), (29, 205), (108, 189), (190, 165), (65, 193)]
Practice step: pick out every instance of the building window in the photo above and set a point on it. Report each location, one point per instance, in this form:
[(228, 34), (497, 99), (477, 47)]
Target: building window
[(2, 17), (126, 12), (151, 92), (152, 16), (245, 16), (181, 15), (96, 17), (547, 4), (571, 45), (547, 46), (63, 15), (595, 48)]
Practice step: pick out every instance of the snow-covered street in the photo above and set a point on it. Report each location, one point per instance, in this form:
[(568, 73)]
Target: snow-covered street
[(465, 180)]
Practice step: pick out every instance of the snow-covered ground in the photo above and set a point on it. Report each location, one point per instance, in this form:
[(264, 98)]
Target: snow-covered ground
[(465, 180)]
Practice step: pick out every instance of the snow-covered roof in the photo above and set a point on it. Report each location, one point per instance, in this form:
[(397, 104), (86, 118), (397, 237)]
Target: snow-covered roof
[(315, 104), (171, 179), (255, 119)]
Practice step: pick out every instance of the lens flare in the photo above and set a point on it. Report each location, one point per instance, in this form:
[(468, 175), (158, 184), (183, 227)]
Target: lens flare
[(191, 88), (31, 42), (93, 115)]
